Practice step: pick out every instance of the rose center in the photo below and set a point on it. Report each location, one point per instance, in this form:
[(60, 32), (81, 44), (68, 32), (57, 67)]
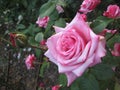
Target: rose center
[(67, 43)]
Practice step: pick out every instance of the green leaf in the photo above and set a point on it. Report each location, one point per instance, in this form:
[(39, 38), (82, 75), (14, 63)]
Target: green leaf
[(20, 26), (100, 24), (102, 71), (89, 82), (111, 60), (117, 86), (62, 80), (54, 15), (32, 41), (38, 53), (61, 22), (62, 3), (47, 9), (39, 37)]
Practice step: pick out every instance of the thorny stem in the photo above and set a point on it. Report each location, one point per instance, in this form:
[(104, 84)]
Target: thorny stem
[(35, 46), (2, 39), (8, 69), (112, 36), (41, 58)]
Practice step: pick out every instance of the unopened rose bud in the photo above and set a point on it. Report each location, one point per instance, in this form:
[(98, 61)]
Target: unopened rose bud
[(21, 40), (42, 42)]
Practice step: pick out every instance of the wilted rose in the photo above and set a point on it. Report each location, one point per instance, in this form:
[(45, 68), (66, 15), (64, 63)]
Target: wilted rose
[(75, 48)]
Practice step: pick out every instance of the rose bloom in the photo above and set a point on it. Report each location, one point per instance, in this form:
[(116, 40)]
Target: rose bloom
[(89, 5), (29, 61), (113, 11), (42, 22), (59, 9), (116, 51), (75, 48)]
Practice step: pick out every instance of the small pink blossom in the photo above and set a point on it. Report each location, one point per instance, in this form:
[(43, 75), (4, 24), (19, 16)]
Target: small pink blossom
[(116, 51), (42, 22), (89, 5), (56, 87), (59, 9), (113, 11), (42, 42), (30, 61)]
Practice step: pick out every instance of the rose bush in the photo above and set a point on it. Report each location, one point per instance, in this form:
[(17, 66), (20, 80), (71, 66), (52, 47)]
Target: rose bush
[(75, 48)]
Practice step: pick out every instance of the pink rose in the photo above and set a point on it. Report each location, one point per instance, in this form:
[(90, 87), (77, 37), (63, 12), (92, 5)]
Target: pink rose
[(42, 22), (29, 61), (59, 9), (75, 48), (113, 11), (89, 5), (116, 51), (56, 87)]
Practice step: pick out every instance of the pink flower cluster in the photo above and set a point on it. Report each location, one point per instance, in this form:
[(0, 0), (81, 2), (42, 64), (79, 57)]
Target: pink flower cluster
[(74, 49), (30, 61), (42, 22), (113, 11)]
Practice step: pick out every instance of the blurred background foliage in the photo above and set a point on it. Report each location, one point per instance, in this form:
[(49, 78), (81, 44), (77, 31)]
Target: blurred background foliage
[(19, 16)]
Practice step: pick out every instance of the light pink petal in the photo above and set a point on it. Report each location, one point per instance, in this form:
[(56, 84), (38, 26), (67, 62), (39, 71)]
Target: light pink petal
[(100, 52), (80, 26), (70, 77), (51, 58), (94, 45), (66, 68), (84, 53), (58, 29), (80, 70), (52, 43)]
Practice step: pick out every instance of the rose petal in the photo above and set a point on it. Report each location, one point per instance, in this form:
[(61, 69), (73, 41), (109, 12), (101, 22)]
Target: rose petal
[(83, 66), (70, 77)]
